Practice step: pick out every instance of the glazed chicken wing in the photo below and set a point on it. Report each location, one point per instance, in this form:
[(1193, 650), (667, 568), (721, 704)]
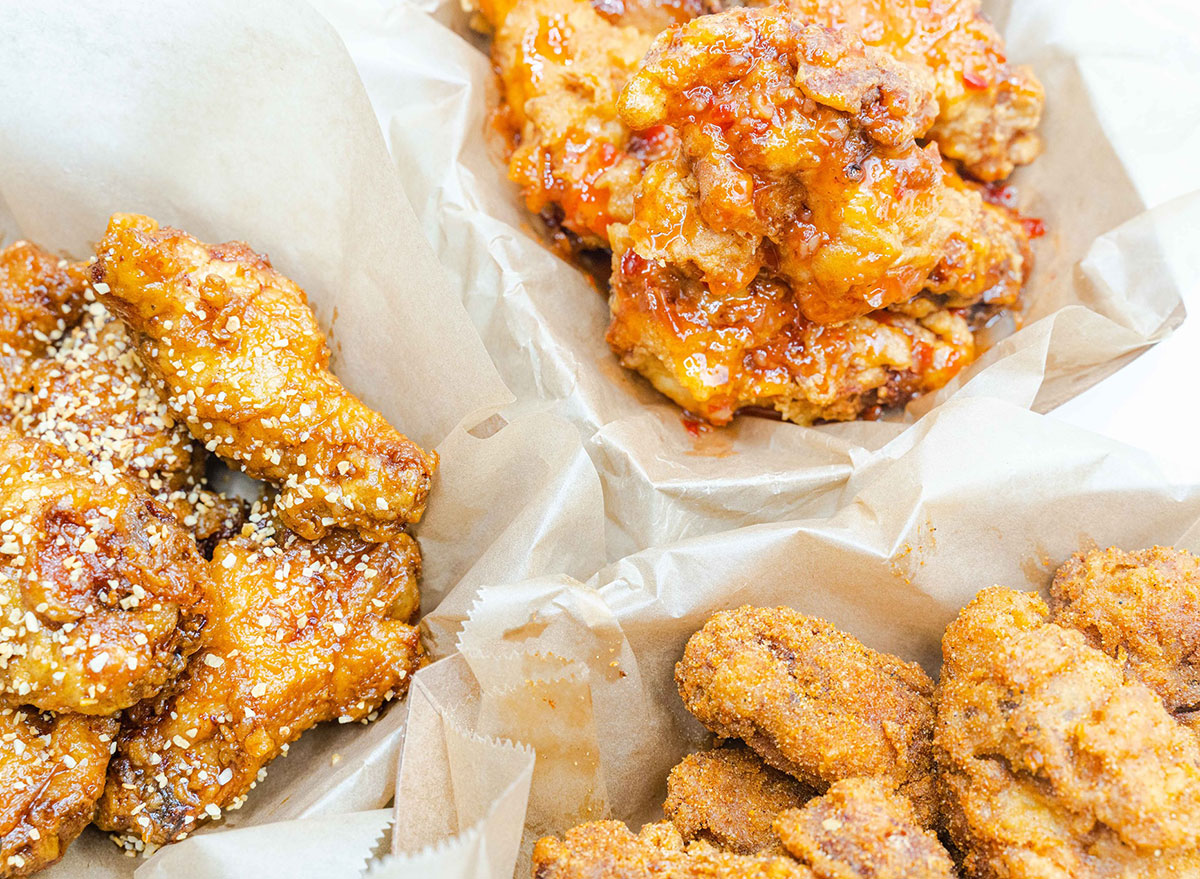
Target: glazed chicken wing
[(102, 592), (988, 109), (609, 850), (812, 701), (51, 775), (300, 632), (860, 829), (90, 394), (562, 67), (1052, 762), (798, 156), (729, 797), (242, 363), (1143, 609), (41, 297)]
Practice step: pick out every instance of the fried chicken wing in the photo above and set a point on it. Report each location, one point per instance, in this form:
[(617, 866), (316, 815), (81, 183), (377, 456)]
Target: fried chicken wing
[(988, 109), (562, 67), (102, 592), (41, 297), (51, 774), (90, 394), (300, 632), (1141, 608), (860, 829), (812, 701), (729, 797), (798, 156), (1052, 763), (242, 363), (609, 850), (717, 355)]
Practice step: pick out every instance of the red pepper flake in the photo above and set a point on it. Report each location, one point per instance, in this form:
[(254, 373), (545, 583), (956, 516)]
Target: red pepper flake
[(974, 80), (1002, 194), (693, 425), (1034, 227)]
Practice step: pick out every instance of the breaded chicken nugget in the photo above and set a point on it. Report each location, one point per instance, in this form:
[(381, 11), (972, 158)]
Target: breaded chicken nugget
[(812, 701)]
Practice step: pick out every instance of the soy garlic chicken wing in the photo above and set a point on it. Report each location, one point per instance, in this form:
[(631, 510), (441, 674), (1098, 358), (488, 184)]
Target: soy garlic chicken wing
[(243, 364), (90, 394), (102, 592), (1141, 608), (798, 156), (729, 797), (862, 830), (812, 701), (1052, 763), (41, 297), (609, 850), (562, 67), (300, 632), (51, 774)]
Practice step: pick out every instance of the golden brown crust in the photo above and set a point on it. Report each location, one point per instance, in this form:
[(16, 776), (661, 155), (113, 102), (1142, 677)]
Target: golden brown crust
[(860, 829), (51, 775), (242, 363), (1052, 764), (300, 632), (609, 850), (812, 701), (1141, 608), (729, 797), (101, 590)]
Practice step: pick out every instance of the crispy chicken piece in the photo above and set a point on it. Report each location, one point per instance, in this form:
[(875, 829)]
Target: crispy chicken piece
[(562, 67), (716, 355), (609, 850), (862, 830), (798, 156), (1054, 764), (300, 632), (242, 363), (41, 297), (52, 774), (90, 394), (812, 701), (1143, 609), (729, 797), (102, 593)]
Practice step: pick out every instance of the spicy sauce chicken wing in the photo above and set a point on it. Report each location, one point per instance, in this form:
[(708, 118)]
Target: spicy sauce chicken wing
[(728, 796), (798, 156), (1052, 763), (242, 363), (102, 592), (812, 701), (51, 775), (300, 632)]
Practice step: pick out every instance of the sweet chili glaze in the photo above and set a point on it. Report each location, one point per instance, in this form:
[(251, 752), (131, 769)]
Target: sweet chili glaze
[(715, 355), (1005, 195)]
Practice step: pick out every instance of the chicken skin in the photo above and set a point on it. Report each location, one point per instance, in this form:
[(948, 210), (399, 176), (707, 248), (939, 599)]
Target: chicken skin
[(1143, 609), (241, 362), (52, 774), (812, 701), (609, 850), (90, 394), (102, 592), (41, 297), (798, 155), (860, 829), (729, 797), (300, 632), (1052, 762)]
